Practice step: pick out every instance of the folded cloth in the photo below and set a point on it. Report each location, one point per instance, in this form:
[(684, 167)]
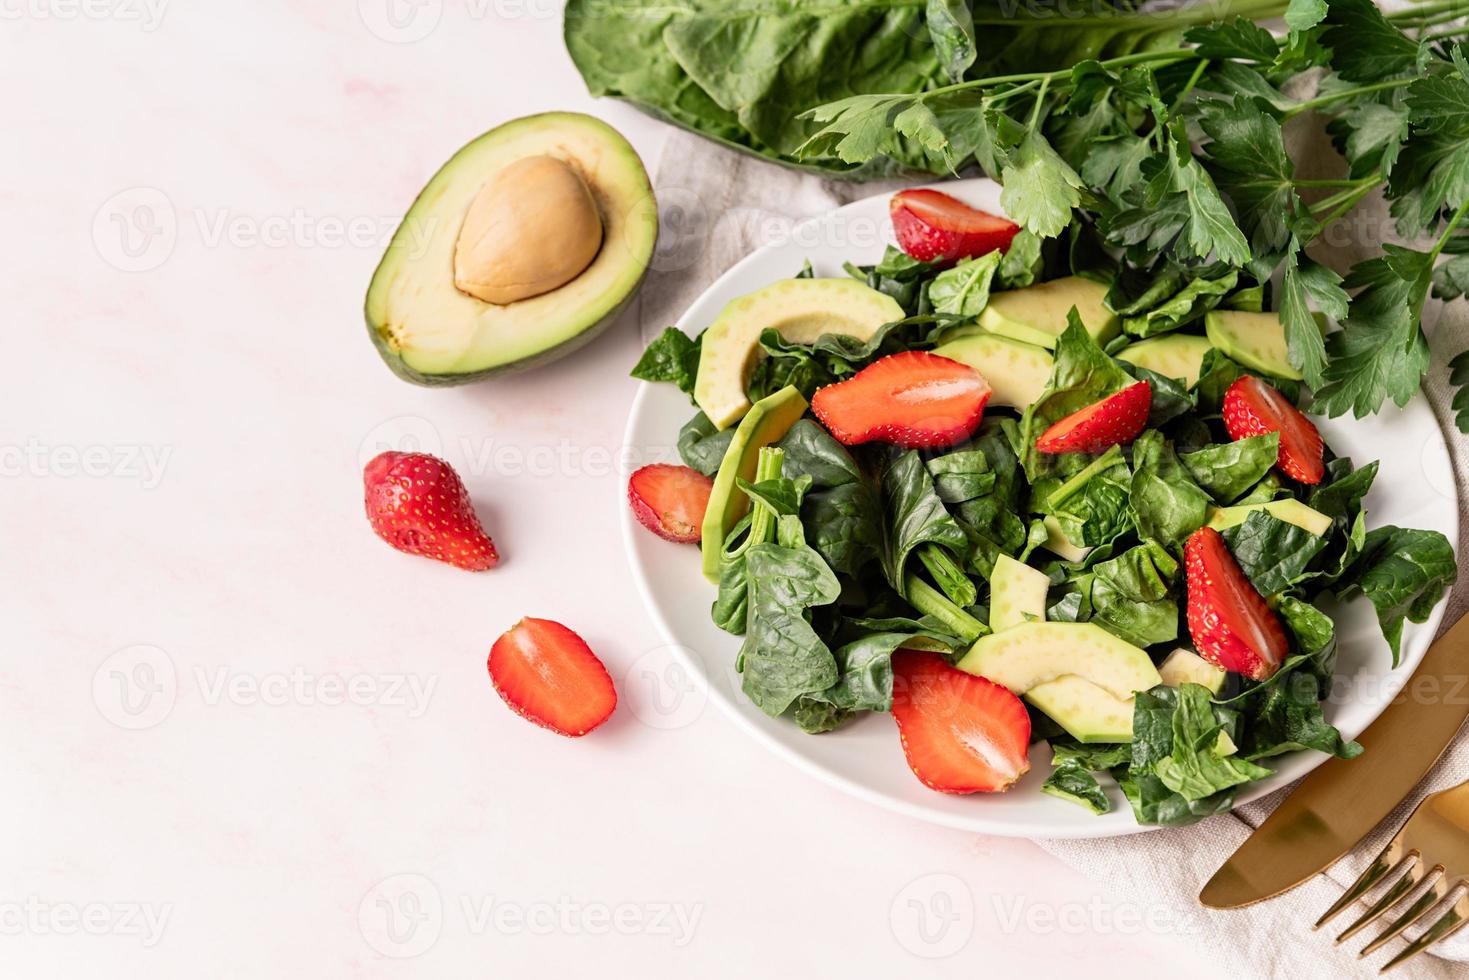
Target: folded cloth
[(716, 206)]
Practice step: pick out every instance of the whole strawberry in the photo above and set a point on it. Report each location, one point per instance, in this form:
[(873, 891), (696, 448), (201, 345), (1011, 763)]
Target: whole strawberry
[(418, 504)]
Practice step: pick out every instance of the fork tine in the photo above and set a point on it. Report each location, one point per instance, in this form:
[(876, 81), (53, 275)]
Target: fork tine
[(1384, 862), (1449, 923), (1394, 894), (1436, 893)]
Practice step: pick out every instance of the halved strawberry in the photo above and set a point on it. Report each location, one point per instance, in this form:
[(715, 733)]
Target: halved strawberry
[(670, 500), (548, 674), (1253, 408), (913, 399), (1231, 624), (417, 503), (1114, 421), (961, 733), (931, 225)]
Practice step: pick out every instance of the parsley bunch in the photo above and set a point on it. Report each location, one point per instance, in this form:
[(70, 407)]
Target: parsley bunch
[(1175, 161)]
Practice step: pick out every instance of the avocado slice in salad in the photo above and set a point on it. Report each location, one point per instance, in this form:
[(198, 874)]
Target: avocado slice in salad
[(1058, 544), (1256, 340), (1017, 593), (801, 311), (526, 244), (1017, 372), (767, 422), (1089, 712), (1186, 667), (1173, 356), (1037, 314), (1290, 510)]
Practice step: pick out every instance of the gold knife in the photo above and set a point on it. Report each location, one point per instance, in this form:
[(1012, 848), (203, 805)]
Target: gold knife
[(1342, 800)]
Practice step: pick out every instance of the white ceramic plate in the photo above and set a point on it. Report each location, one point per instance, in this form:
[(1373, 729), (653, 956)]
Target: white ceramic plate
[(1415, 488)]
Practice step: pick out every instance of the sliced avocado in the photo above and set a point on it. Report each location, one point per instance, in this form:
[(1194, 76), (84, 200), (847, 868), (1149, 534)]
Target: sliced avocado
[(1017, 594), (1256, 340), (800, 310), (1289, 510), (431, 332), (1186, 667), (1026, 656), (765, 423), (1057, 543), (1089, 713), (1017, 372), (1173, 356), (1224, 745), (1037, 314)]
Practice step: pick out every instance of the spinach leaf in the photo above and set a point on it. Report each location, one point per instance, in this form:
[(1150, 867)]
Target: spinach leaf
[(1274, 555), (1171, 399), (782, 657), (951, 25), (1093, 507), (1071, 782), (914, 515), (701, 446), (1229, 469), (845, 526), (809, 450), (1131, 595), (673, 357), (1289, 719), (961, 476), (1404, 572), (964, 290), (989, 518), (1022, 263), (1200, 763), (1169, 300), (1168, 504)]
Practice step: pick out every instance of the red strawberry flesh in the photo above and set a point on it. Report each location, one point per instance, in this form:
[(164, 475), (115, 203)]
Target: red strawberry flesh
[(670, 500), (961, 733), (913, 399), (417, 503), (1114, 421), (1232, 626), (549, 675), (933, 226), (1254, 408)]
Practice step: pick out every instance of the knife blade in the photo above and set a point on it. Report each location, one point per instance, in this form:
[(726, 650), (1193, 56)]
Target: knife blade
[(1343, 799)]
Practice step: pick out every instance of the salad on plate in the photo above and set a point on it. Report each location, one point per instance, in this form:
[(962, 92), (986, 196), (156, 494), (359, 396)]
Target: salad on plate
[(1011, 489)]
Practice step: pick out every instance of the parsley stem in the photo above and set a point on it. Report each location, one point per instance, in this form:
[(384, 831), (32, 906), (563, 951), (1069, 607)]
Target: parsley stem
[(1040, 100), (1346, 93), (1188, 87), (1339, 181), (1346, 205), (1443, 239), (1425, 10), (1061, 76)]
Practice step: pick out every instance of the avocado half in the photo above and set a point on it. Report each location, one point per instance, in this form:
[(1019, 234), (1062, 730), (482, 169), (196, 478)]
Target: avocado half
[(431, 333)]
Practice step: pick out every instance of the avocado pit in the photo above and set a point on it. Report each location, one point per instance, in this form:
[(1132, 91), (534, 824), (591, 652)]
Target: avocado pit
[(532, 228)]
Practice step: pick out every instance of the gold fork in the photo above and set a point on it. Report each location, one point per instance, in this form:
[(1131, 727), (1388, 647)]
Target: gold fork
[(1433, 844)]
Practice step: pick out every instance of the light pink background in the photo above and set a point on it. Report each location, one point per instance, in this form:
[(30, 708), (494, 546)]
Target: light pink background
[(195, 195)]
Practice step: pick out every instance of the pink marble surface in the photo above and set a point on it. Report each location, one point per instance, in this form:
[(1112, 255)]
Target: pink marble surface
[(244, 738)]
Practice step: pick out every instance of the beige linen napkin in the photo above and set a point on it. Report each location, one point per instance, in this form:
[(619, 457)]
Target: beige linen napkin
[(717, 206)]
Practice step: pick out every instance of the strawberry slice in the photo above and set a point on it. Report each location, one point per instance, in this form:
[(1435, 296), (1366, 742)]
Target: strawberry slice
[(1113, 421), (932, 226), (670, 500), (417, 503), (961, 733), (1253, 408), (912, 399), (1231, 624), (549, 675)]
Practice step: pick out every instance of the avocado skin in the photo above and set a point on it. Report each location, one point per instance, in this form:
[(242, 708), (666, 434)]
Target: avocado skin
[(394, 360), (397, 366)]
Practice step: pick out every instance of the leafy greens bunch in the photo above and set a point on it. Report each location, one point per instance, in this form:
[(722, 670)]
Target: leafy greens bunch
[(1162, 131), (849, 554)]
